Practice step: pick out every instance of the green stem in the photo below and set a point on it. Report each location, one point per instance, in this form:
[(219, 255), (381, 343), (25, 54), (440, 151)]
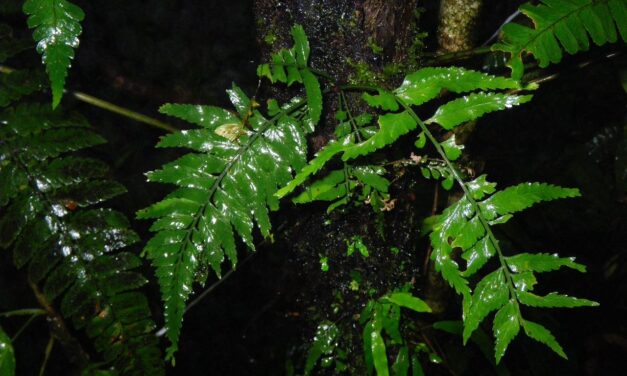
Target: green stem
[(471, 200), (108, 106), (24, 312)]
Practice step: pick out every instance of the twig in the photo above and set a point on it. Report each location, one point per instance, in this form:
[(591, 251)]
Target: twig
[(108, 106), (23, 312), (26, 324), (49, 346)]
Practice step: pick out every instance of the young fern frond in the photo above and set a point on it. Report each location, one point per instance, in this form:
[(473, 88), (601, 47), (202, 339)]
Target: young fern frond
[(7, 355), (69, 248), (562, 24), (57, 28)]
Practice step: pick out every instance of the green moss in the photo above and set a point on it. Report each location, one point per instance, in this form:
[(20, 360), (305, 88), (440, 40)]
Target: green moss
[(363, 74)]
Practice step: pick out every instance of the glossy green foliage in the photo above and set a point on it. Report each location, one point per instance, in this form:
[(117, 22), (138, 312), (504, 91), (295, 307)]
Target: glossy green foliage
[(466, 226), (225, 185), (18, 84), (290, 66), (562, 25), (366, 182), (323, 345), (472, 107), (57, 28), (7, 355), (67, 244), (381, 322), (358, 139)]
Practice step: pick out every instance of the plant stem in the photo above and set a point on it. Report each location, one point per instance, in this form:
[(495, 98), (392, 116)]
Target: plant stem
[(49, 346), (108, 106), (24, 312), (26, 324)]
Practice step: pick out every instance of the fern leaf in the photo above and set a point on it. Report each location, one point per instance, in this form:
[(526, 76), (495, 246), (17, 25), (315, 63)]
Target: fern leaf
[(407, 300), (541, 262), (543, 335), (69, 250), (384, 100), (392, 126), (520, 197), (427, 83), (474, 106), (57, 28), (490, 294), (289, 66), (17, 84), (506, 326), (223, 189), (553, 300), (314, 96), (7, 355), (322, 157), (562, 24)]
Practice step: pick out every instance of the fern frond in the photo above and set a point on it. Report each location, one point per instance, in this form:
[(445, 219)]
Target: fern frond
[(562, 24), (224, 187), (68, 249), (467, 225), (289, 66), (427, 83), (57, 28), (17, 84)]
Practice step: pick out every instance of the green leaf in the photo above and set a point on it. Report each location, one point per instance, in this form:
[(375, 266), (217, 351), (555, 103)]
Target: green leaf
[(321, 158), (206, 116), (329, 188), (427, 83), (543, 335), (57, 28), (490, 294), (323, 344), (7, 355), (506, 326), (520, 197), (451, 149), (301, 45), (553, 300), (384, 100), (379, 356), (392, 126), (407, 300), (371, 176), (541, 262), (558, 25), (401, 364), (421, 141), (474, 106), (314, 95)]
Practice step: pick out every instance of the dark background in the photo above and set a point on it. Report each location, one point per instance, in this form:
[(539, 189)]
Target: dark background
[(141, 54)]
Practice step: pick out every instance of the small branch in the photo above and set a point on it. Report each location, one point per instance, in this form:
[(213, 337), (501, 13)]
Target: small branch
[(42, 370), (21, 330), (23, 312), (108, 106)]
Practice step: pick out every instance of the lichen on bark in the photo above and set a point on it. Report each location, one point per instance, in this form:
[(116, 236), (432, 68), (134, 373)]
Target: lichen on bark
[(458, 21)]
